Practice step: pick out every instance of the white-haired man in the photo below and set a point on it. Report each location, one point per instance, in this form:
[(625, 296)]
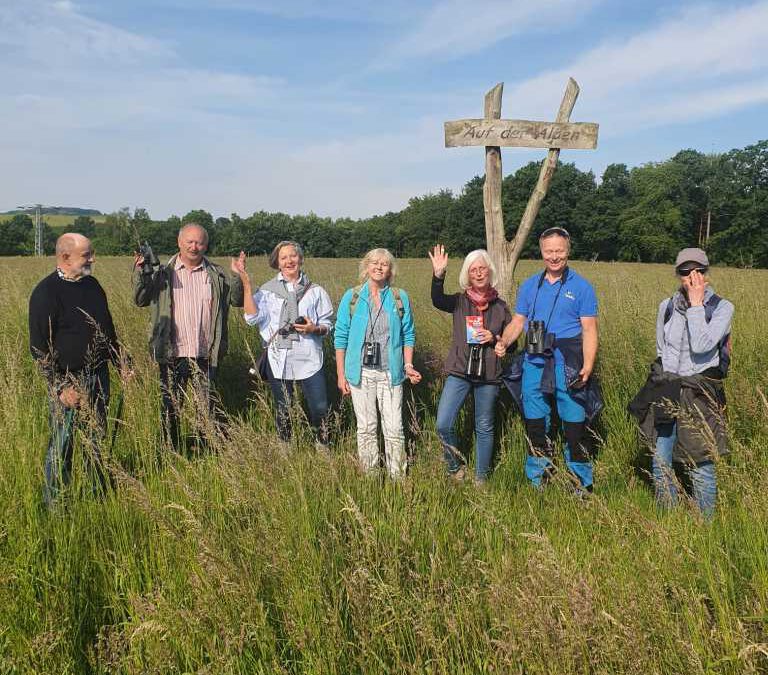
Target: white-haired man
[(190, 298)]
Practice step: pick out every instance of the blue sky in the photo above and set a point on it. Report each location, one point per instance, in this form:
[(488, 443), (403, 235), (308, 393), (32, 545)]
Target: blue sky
[(337, 107)]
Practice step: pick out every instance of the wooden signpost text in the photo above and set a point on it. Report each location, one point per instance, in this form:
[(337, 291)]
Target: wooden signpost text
[(494, 133)]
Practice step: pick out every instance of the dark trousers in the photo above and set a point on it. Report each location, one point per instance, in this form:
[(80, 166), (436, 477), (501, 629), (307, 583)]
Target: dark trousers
[(175, 375), (315, 395), (91, 418)]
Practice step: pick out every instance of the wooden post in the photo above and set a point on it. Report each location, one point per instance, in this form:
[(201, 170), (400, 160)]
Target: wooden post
[(494, 133), (494, 218), (548, 167)]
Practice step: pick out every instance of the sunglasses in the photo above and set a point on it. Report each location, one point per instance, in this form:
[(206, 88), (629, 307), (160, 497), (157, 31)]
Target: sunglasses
[(685, 273), (552, 231)]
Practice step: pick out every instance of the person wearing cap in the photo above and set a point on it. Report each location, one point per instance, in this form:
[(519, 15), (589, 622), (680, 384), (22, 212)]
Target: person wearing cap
[(557, 309), (681, 406), (293, 315)]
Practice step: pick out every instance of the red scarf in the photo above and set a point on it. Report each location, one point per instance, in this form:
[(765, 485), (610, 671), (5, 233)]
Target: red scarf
[(482, 297)]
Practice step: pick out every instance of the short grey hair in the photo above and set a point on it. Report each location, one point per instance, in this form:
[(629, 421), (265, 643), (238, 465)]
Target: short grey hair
[(187, 226), (275, 255), (376, 254), (471, 259)]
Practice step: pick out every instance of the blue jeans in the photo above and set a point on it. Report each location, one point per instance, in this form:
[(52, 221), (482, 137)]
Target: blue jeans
[(536, 406), (62, 423), (316, 397), (702, 476), (455, 391)]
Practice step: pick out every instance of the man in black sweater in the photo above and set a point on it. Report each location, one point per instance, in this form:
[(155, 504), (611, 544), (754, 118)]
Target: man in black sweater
[(72, 338)]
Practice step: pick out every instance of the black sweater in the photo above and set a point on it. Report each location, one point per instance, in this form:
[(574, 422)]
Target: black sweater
[(70, 327)]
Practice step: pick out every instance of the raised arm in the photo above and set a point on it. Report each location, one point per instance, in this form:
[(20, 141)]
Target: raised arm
[(237, 265), (439, 258)]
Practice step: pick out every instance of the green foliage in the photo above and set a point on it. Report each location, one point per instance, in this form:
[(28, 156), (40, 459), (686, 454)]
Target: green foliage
[(15, 235), (719, 202)]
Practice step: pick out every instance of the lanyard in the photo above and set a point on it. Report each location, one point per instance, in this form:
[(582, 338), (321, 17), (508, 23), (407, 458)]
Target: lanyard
[(371, 321), (563, 279)]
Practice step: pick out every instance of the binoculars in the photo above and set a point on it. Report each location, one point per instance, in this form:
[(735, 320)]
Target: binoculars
[(475, 362), (535, 337), (150, 259), (371, 354)]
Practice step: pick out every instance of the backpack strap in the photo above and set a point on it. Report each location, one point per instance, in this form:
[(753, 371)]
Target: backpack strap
[(353, 301), (724, 346), (395, 294), (398, 302), (668, 311)]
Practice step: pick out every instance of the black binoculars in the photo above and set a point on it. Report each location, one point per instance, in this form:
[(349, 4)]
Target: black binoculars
[(475, 362), (371, 354), (534, 338), (150, 259)]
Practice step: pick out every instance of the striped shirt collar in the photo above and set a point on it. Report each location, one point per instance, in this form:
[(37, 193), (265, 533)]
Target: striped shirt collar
[(178, 265)]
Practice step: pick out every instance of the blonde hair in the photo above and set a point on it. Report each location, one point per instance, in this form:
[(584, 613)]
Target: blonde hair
[(376, 254), (471, 259)]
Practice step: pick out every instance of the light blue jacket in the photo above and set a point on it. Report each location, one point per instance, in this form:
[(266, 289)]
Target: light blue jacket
[(349, 333)]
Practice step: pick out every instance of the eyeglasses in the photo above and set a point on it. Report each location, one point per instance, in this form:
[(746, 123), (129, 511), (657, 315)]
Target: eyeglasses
[(554, 231), (685, 273)]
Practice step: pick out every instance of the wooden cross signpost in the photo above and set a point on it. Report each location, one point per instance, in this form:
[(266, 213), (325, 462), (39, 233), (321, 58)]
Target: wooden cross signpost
[(495, 133)]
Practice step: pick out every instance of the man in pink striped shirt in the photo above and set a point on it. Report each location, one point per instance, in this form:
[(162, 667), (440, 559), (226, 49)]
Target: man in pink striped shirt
[(190, 299)]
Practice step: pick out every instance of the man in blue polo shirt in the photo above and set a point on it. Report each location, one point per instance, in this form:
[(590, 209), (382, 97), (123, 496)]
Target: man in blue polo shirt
[(557, 309)]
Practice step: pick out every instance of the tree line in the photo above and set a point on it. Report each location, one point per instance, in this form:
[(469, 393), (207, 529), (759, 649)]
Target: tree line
[(643, 214)]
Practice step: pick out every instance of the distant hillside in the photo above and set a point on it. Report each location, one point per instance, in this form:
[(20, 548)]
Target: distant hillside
[(57, 211)]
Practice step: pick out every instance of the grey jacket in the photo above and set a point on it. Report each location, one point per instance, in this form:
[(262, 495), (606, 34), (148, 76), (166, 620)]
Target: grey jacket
[(687, 344), (156, 290)]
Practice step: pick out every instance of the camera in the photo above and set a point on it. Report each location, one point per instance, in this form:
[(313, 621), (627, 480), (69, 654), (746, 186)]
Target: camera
[(150, 259), (534, 338), (288, 328), (371, 354), (475, 362)]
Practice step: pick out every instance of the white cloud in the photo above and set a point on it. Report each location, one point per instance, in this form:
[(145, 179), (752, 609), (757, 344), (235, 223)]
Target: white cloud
[(353, 11), (454, 28), (56, 34), (706, 54)]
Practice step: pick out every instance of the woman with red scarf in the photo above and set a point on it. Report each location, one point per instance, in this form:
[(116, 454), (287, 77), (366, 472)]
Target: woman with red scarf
[(479, 318)]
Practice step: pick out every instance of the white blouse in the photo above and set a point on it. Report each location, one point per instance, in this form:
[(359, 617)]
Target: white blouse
[(305, 357)]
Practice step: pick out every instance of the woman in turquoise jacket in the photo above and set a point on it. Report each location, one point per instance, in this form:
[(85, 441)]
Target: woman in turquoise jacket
[(374, 339)]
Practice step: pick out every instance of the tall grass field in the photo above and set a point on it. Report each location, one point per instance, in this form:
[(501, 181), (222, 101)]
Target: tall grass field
[(240, 558)]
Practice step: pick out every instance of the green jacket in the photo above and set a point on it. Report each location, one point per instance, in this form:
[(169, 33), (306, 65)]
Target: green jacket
[(155, 290)]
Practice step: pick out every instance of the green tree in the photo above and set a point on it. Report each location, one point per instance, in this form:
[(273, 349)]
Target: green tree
[(612, 197), (15, 235), (464, 229), (422, 223)]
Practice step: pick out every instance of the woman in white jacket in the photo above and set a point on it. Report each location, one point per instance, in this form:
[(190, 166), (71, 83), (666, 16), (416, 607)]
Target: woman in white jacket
[(293, 315)]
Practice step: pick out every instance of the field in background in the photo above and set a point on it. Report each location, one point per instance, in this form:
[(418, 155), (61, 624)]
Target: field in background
[(241, 560), (57, 221)]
